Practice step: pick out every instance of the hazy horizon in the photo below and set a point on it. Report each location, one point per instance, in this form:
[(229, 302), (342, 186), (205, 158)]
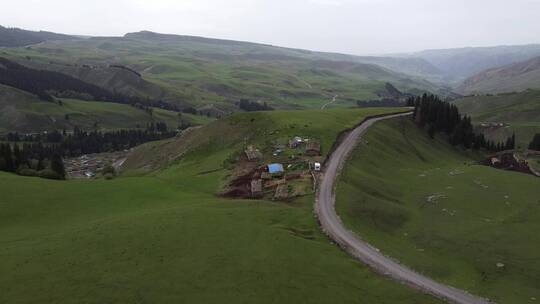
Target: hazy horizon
[(362, 27)]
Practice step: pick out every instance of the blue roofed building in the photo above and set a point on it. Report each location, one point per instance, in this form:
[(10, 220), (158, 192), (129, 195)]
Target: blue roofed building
[(275, 168)]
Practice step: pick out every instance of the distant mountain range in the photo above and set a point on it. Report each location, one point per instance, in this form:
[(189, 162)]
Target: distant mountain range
[(409, 66), (213, 75), (456, 65), (515, 77)]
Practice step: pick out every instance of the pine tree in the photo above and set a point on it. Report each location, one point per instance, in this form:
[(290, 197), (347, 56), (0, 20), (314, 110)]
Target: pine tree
[(442, 117), (8, 158), (57, 165), (535, 143), (17, 157)]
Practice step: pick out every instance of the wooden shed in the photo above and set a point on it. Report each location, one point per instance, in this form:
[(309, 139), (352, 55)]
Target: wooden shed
[(313, 148), (256, 187), (252, 153)]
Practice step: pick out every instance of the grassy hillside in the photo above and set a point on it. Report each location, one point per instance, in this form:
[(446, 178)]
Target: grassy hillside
[(233, 133), (201, 72), (24, 112), (515, 77), (165, 237), (14, 37), (520, 112), (426, 204)]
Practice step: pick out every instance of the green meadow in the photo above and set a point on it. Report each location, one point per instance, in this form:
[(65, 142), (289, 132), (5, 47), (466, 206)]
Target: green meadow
[(428, 205), (164, 236)]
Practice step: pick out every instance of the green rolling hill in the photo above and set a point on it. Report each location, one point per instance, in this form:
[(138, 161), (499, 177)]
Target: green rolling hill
[(23, 112), (515, 77), (430, 206), (214, 73), (164, 236), (14, 37), (517, 112)]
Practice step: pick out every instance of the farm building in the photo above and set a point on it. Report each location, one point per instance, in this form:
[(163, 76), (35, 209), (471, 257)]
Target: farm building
[(266, 175), (275, 168), (295, 142), (256, 187), (313, 148), (252, 153)]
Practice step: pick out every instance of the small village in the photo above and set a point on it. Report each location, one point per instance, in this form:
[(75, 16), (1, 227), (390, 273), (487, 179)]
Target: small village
[(91, 165), (287, 170)]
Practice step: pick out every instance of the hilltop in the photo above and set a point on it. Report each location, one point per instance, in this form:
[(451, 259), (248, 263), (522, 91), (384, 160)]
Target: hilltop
[(14, 37)]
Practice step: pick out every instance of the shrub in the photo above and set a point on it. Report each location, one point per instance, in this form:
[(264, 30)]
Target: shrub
[(50, 174), (27, 172), (109, 170)]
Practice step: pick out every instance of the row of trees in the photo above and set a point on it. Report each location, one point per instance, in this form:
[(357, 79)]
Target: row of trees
[(56, 136), (42, 154), (442, 117), (251, 106), (535, 143), (88, 142), (385, 102), (33, 159)]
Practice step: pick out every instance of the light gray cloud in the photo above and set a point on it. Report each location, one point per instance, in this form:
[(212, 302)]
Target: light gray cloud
[(350, 26)]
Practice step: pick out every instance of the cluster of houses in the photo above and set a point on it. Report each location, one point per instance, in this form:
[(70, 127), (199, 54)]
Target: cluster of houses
[(89, 166), (509, 161), (274, 176), (312, 147), (492, 125)]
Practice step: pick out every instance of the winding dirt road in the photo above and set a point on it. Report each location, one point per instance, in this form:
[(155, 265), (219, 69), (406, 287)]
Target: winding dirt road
[(334, 228), (329, 103)]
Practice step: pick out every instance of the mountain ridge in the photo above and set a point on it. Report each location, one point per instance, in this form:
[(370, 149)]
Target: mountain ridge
[(16, 37), (515, 77)]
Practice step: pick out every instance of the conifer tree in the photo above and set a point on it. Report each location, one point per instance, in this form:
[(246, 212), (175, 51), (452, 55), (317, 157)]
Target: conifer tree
[(57, 165)]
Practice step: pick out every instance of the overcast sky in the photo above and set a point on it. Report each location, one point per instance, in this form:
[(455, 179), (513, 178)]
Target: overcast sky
[(348, 26)]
